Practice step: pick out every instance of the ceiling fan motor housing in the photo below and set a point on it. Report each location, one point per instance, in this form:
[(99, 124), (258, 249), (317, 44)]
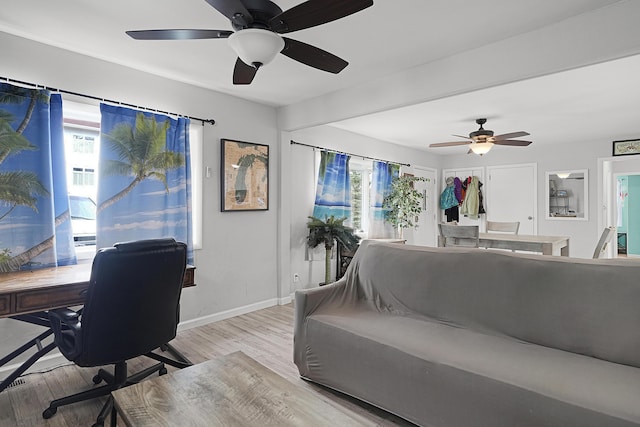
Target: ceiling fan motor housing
[(262, 11), (481, 134)]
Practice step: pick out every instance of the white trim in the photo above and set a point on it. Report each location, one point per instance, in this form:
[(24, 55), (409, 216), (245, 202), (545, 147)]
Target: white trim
[(223, 315)]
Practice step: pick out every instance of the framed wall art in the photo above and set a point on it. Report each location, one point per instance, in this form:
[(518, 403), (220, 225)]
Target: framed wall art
[(626, 147), (245, 176)]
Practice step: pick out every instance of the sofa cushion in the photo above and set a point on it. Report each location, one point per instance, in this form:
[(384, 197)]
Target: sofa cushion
[(454, 376), (582, 306)]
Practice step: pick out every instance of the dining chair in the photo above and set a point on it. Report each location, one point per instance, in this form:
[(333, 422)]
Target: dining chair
[(605, 238), (459, 235), (503, 227), (131, 309)]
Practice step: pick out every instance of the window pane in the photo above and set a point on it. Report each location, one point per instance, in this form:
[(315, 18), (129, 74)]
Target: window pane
[(356, 199)]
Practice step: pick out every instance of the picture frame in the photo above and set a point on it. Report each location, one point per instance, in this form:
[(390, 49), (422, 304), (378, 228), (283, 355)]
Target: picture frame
[(626, 147), (244, 177)]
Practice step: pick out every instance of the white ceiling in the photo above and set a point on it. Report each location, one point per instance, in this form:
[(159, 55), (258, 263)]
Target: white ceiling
[(383, 40)]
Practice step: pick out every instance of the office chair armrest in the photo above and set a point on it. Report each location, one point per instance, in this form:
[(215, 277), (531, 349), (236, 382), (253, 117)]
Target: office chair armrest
[(65, 314), (66, 327)]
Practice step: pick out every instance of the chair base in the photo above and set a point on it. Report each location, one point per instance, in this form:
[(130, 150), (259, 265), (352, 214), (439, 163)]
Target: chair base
[(114, 381)]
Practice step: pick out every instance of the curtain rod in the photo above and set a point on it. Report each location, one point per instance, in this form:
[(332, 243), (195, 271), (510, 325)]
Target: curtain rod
[(52, 89), (348, 154)]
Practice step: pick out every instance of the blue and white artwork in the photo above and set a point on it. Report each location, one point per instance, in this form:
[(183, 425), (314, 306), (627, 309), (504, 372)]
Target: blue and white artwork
[(35, 225), (333, 194), (144, 188), (382, 177)]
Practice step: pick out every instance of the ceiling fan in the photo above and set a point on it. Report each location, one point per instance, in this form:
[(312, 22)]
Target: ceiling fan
[(257, 27), (482, 140)]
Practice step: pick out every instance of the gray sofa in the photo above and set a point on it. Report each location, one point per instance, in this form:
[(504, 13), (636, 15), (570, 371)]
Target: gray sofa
[(475, 337)]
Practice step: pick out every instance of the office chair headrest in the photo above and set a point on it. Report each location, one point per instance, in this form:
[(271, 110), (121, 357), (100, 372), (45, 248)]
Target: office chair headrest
[(144, 244)]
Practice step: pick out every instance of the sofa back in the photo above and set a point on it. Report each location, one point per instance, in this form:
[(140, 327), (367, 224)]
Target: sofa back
[(590, 307)]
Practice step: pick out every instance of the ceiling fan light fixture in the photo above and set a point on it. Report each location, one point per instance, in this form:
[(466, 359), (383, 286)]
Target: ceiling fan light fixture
[(256, 47), (563, 175), (481, 148)]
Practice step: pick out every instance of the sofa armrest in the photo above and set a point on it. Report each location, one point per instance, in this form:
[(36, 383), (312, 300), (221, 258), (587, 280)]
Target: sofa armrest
[(308, 300)]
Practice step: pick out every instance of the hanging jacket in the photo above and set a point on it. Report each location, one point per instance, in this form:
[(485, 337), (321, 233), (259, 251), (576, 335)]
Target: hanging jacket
[(471, 203), (448, 197), (457, 185)]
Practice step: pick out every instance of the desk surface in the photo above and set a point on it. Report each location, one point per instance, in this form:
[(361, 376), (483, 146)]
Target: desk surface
[(30, 291), (231, 390)]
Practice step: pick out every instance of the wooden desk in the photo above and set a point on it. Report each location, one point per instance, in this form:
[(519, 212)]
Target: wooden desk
[(548, 245), (26, 295), (24, 292), (234, 390)]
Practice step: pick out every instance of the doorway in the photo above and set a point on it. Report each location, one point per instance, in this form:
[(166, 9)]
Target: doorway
[(627, 218), (619, 191)]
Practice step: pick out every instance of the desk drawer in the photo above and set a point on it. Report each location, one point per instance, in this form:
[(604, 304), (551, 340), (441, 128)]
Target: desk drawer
[(60, 296), (5, 305), (189, 277)]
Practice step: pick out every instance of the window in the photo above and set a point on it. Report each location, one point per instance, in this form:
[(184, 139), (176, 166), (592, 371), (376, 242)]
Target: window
[(83, 144), (360, 175), (83, 177)]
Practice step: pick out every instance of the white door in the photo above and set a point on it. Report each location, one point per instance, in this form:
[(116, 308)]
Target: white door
[(511, 194), (425, 234)]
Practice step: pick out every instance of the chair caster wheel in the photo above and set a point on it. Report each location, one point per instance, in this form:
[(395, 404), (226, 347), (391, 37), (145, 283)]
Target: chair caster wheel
[(163, 371), (49, 412), (97, 379)]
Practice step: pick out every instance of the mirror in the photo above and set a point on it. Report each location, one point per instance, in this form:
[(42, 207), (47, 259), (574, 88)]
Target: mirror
[(567, 195)]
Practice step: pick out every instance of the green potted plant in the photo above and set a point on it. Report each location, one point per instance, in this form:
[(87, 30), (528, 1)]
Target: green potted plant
[(328, 232), (404, 203)]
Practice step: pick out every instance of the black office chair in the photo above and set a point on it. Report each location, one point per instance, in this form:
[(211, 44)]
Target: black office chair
[(131, 309)]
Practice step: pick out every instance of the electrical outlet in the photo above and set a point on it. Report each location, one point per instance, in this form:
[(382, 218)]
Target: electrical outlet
[(296, 278)]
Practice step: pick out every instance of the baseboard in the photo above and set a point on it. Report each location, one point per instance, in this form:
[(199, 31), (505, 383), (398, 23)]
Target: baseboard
[(56, 359)]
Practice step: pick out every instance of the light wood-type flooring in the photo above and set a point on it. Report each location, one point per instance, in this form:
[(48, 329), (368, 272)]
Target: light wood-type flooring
[(265, 335)]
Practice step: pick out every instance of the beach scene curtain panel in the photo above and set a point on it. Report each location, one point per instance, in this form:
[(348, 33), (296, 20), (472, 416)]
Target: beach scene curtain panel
[(144, 178), (35, 224), (381, 179), (333, 193)]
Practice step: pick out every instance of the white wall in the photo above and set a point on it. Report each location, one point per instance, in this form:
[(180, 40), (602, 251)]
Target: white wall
[(237, 265), (302, 186)]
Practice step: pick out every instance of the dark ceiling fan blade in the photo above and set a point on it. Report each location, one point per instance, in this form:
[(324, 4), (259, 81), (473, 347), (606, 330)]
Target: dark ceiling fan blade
[(313, 56), (315, 12), (510, 135), (243, 74), (234, 10), (449, 144), (460, 136), (178, 34), (515, 142)]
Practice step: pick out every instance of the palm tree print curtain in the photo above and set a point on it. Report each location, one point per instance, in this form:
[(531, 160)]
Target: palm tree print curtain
[(382, 176), (35, 224), (333, 194), (144, 181)]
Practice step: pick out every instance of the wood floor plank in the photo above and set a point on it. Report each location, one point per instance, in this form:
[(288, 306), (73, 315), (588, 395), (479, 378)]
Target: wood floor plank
[(265, 335)]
